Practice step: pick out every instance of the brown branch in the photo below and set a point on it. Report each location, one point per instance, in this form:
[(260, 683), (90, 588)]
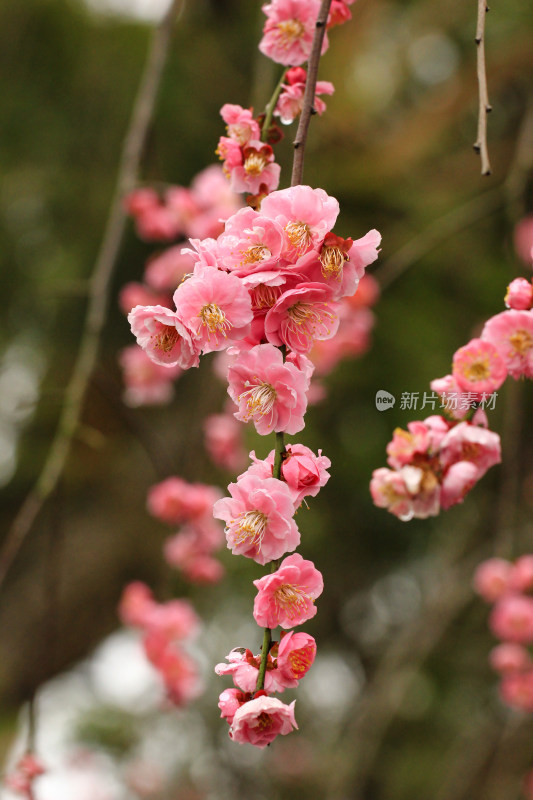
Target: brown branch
[(484, 106), (98, 301), (309, 94)]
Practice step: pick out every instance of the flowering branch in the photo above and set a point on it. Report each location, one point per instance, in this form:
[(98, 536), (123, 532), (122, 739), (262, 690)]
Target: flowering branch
[(98, 295), (309, 94), (484, 106)]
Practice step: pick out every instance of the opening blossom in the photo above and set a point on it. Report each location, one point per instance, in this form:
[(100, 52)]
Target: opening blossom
[(287, 596), (289, 30), (290, 101), (258, 518), (260, 720), (164, 338)]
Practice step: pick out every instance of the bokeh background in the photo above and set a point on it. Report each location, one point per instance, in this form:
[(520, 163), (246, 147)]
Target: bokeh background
[(401, 702)]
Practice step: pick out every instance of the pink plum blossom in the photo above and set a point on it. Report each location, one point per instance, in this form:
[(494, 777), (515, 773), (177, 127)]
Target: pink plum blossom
[(215, 307), (492, 578), (303, 471), (289, 30), (408, 492), (224, 441), (180, 675), (305, 214), (459, 479), (163, 336), (258, 518), (136, 604), (467, 442), (165, 271), (258, 170), (339, 13), (260, 720), (512, 619), (511, 332), (516, 690), (229, 701), (295, 656), (290, 101), (175, 501), (479, 368), (301, 316), (146, 383), (509, 657), (137, 294), (521, 579), (241, 124), (268, 391), (450, 394), (243, 666), (250, 243), (287, 596), (519, 295)]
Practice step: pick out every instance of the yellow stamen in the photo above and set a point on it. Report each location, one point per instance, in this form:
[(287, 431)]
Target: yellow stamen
[(332, 260), (260, 399), (251, 527), (307, 314), (255, 254), (255, 163), (264, 296), (477, 369), (290, 30), (214, 319), (521, 342), (292, 599), (166, 339), (299, 235)]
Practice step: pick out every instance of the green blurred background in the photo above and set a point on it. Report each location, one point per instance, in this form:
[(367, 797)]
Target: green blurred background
[(405, 705)]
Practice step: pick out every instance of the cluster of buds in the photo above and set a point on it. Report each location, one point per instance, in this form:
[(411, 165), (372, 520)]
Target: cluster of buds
[(22, 777), (166, 630), (509, 587), (427, 475), (189, 505)]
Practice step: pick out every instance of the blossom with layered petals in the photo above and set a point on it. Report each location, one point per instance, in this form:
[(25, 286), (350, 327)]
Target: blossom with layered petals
[(408, 492), (268, 391), (305, 214), (478, 368), (289, 30), (260, 720), (250, 243), (257, 172), (511, 332), (303, 471), (215, 307), (163, 336), (258, 518), (241, 123), (302, 316), (287, 596), (290, 100), (467, 442), (229, 701)]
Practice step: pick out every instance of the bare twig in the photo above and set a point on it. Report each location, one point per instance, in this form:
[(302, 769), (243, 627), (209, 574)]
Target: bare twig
[(309, 94), (484, 106), (99, 292)]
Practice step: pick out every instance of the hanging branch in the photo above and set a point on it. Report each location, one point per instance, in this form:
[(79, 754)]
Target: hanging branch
[(484, 106), (98, 301), (309, 94)]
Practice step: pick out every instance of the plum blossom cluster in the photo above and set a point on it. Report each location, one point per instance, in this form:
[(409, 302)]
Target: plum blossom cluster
[(166, 630), (270, 286), (22, 777), (427, 474), (189, 506), (169, 216), (508, 587)]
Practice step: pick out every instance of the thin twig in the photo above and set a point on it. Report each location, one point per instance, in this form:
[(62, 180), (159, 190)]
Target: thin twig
[(484, 105), (309, 94), (99, 293)]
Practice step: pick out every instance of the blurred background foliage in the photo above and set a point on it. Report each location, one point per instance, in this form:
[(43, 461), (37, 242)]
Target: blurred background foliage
[(403, 704)]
